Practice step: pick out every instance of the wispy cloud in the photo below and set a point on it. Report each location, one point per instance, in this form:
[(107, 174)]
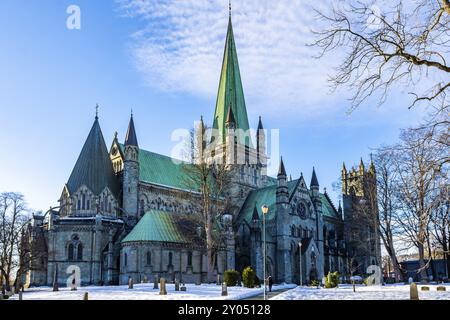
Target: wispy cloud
[(179, 48)]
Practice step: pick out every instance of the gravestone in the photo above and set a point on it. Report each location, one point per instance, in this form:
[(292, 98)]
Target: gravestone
[(20, 295), (145, 279), (177, 285), (155, 283), (198, 283), (413, 293), (424, 288), (441, 288), (162, 285), (410, 280), (130, 283), (86, 296), (183, 288), (224, 289)]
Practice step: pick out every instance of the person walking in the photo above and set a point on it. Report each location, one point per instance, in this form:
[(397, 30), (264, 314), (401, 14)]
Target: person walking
[(270, 280)]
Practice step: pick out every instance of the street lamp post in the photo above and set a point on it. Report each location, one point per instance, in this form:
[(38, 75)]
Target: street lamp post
[(300, 254), (264, 209)]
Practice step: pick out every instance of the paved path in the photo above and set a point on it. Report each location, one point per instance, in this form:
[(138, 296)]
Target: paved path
[(268, 295)]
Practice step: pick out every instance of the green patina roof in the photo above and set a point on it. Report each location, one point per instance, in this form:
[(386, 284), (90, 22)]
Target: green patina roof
[(328, 209), (231, 93), (162, 170), (93, 167), (158, 226), (267, 196)]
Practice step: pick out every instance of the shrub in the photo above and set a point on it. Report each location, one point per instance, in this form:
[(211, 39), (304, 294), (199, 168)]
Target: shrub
[(231, 278), (5, 297), (332, 280), (315, 283), (249, 277)]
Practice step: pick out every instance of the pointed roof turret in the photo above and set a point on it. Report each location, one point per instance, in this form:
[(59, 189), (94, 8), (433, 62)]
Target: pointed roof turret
[(231, 93), (260, 125), (131, 138), (361, 165), (281, 170), (314, 181), (372, 164), (93, 167)]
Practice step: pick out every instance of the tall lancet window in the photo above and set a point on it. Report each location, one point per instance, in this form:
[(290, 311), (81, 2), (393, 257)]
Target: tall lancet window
[(80, 252), (83, 202), (70, 254)]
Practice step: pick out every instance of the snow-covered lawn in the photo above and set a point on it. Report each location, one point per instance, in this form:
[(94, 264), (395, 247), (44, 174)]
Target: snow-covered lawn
[(345, 292), (145, 292)]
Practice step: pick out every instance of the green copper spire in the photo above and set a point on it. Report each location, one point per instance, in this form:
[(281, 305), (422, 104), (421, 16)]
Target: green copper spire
[(231, 93)]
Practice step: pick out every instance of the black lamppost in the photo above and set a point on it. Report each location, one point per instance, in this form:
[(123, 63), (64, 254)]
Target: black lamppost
[(264, 209)]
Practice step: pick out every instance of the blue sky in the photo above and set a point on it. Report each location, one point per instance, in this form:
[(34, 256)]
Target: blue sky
[(163, 59)]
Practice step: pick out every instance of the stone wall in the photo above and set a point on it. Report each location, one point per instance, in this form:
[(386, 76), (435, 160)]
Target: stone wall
[(161, 265)]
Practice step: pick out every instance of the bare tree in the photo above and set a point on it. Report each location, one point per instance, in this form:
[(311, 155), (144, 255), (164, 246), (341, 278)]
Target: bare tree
[(388, 205), (14, 216), (394, 47), (209, 179), (440, 219), (418, 176)]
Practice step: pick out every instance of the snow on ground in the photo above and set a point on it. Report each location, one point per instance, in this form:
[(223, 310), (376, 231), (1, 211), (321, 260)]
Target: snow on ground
[(345, 292), (145, 292)]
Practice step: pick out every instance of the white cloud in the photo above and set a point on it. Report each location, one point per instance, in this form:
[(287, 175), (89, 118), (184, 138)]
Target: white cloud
[(180, 49)]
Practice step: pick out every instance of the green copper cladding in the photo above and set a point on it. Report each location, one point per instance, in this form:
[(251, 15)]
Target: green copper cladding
[(159, 226), (231, 93), (267, 196)]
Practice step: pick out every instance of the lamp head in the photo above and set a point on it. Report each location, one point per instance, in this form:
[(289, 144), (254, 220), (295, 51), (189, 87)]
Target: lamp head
[(265, 209)]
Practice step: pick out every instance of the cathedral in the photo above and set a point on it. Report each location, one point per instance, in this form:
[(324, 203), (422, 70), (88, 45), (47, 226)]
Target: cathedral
[(118, 213)]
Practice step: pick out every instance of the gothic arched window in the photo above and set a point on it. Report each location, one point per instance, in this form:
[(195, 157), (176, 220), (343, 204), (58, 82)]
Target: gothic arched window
[(125, 259), (80, 252), (83, 201), (170, 258), (189, 259), (70, 254), (149, 258), (142, 207)]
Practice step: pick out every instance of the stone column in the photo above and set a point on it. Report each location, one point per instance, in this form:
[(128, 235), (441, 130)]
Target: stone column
[(96, 277), (110, 257)]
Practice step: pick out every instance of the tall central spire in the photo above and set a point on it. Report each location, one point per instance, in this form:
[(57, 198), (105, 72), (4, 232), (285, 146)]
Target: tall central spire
[(231, 93)]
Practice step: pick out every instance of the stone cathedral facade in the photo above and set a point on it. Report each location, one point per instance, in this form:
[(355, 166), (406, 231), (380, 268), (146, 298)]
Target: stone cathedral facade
[(118, 212)]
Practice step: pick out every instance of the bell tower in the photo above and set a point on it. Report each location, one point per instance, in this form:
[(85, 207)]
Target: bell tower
[(360, 211), (131, 175)]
